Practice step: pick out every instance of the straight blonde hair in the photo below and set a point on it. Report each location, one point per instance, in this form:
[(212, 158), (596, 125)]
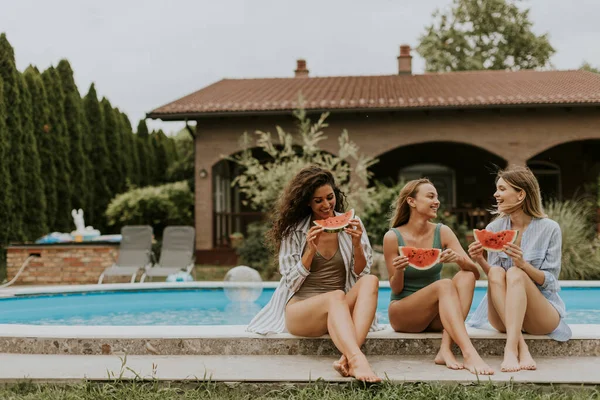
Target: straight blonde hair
[(401, 213), (522, 179)]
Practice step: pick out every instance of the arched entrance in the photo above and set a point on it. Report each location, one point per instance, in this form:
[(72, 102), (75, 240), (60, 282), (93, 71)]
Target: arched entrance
[(568, 170), (463, 175)]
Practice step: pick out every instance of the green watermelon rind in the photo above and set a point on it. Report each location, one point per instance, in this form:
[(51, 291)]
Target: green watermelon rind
[(425, 268), (491, 249), (337, 228)]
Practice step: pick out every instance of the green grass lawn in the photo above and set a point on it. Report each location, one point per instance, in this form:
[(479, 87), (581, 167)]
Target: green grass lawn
[(322, 391)]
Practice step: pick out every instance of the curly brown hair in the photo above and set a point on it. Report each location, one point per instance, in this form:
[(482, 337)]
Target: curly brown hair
[(293, 203)]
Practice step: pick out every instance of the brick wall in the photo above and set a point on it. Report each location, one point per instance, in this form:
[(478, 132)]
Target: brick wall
[(62, 264)]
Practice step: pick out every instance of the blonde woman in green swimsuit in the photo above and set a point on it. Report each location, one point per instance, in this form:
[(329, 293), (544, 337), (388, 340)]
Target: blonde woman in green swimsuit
[(421, 300)]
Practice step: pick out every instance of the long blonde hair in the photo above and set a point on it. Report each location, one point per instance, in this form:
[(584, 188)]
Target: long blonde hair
[(402, 210), (522, 179)]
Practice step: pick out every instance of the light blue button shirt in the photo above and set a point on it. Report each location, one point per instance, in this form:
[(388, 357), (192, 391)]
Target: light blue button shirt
[(541, 244)]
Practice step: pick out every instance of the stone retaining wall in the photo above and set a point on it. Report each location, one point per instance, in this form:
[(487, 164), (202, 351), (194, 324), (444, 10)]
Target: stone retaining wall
[(279, 346), (67, 264)]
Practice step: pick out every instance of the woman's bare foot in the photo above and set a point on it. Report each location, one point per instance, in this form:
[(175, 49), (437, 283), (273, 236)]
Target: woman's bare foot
[(511, 361), (475, 364), (526, 361), (446, 357), (341, 366), (359, 368)]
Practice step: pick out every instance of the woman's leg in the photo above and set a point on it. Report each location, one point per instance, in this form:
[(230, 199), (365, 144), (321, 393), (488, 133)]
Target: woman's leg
[(526, 309), (496, 316), (416, 312), (464, 282), (362, 301), (329, 313)]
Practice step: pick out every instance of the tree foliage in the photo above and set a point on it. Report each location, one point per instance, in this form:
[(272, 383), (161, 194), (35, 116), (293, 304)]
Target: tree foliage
[(262, 182), (483, 34), (41, 125), (60, 146), (586, 66), (12, 101)]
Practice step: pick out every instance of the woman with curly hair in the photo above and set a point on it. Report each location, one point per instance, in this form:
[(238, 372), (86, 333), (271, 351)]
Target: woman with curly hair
[(325, 285)]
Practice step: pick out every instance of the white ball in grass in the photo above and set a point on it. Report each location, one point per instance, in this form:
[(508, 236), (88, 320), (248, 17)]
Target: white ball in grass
[(250, 287)]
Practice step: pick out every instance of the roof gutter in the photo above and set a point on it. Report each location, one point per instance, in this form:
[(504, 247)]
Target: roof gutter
[(216, 114)]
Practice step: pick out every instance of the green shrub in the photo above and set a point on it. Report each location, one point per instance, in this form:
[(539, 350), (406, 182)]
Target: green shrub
[(254, 252), (580, 246), (159, 206)]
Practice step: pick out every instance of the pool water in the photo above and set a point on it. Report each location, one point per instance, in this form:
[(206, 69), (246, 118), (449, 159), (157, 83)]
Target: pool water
[(203, 307)]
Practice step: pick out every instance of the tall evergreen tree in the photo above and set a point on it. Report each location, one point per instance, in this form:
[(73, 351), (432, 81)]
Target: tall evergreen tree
[(134, 176), (74, 117), (12, 101), (125, 152), (61, 149), (159, 142), (4, 172), (99, 157), (34, 219), (44, 140), (145, 155), (116, 183)]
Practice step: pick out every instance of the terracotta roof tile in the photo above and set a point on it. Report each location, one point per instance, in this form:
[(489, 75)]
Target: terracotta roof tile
[(455, 90)]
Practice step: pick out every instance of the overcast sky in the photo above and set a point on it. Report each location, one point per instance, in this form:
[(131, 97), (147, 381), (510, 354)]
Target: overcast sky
[(143, 54)]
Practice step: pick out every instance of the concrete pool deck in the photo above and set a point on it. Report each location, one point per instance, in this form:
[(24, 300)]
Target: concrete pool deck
[(66, 369)]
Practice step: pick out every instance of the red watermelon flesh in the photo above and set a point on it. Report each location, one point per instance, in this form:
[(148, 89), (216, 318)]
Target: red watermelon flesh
[(337, 223), (495, 241), (421, 258)]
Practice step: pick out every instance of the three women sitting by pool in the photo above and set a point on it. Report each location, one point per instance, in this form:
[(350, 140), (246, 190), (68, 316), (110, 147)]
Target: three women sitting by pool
[(326, 286)]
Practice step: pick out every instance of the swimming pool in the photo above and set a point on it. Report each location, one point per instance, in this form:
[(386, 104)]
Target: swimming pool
[(192, 305)]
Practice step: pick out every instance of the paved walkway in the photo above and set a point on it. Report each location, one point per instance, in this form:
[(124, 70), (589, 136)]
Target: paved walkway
[(66, 368)]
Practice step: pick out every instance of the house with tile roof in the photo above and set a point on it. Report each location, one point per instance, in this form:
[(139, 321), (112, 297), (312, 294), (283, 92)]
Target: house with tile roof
[(455, 128)]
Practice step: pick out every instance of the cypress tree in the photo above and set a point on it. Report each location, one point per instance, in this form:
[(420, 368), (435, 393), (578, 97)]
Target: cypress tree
[(61, 149), (159, 141), (99, 157), (4, 171), (125, 150), (12, 101), (116, 183), (144, 154), (34, 219), (134, 176), (44, 140), (74, 117)]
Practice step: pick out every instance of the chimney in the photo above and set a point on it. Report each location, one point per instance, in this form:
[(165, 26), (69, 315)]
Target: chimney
[(301, 71), (404, 60)]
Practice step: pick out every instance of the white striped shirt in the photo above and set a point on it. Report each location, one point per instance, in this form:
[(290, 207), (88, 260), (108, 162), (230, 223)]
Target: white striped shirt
[(271, 319), (541, 244)]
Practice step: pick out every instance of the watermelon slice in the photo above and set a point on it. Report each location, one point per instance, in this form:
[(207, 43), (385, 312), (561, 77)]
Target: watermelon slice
[(337, 223), (421, 258), (495, 241)]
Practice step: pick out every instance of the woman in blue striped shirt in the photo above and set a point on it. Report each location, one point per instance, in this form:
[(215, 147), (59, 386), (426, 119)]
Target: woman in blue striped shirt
[(523, 279), (325, 285)]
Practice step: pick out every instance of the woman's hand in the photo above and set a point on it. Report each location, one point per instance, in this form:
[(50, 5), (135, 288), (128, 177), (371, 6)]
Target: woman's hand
[(449, 256), (354, 229), (476, 252), (515, 253), (400, 263), (312, 238)]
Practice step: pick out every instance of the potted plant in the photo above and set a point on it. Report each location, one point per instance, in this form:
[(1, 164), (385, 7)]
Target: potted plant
[(236, 239)]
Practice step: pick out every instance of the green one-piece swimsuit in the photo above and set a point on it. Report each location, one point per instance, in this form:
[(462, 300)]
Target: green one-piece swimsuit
[(415, 279)]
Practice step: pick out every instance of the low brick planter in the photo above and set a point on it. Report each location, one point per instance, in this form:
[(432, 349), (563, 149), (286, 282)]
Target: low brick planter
[(68, 264)]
